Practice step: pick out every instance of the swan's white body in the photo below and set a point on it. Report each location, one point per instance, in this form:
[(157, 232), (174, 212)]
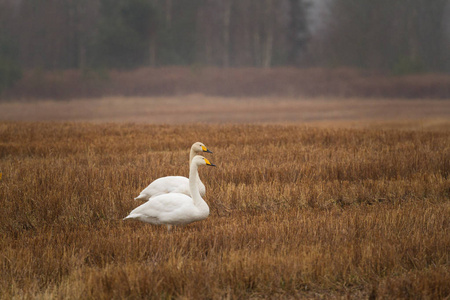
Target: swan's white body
[(174, 184), (176, 208)]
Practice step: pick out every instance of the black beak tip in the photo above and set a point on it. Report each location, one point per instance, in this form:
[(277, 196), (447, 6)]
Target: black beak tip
[(208, 151), (212, 165)]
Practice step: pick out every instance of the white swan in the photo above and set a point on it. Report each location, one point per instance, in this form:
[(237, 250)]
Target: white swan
[(176, 208), (174, 184)]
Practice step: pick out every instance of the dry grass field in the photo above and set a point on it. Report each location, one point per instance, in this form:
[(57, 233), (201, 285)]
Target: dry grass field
[(210, 109), (297, 211)]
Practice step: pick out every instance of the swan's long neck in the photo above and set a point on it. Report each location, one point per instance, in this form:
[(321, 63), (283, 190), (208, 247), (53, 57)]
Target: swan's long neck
[(191, 156), (195, 193)]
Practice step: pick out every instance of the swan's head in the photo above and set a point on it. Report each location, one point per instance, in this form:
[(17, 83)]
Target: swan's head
[(201, 161), (199, 148)]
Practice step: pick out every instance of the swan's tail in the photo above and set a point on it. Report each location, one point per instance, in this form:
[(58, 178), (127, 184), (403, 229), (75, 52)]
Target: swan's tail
[(142, 197), (129, 217)]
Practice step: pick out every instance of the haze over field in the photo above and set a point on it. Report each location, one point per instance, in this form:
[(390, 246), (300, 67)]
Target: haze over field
[(46, 50), (202, 109)]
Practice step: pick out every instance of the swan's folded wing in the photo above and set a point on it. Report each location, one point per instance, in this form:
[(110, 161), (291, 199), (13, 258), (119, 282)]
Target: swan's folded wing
[(164, 185), (156, 209)]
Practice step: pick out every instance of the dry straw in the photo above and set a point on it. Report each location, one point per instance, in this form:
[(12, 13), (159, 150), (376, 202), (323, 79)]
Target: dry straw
[(296, 212)]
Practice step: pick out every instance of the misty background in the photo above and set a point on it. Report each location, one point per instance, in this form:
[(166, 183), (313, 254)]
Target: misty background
[(390, 37)]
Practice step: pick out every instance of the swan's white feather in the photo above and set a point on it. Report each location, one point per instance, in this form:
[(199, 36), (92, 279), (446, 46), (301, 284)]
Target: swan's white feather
[(171, 209), (169, 184), (176, 208)]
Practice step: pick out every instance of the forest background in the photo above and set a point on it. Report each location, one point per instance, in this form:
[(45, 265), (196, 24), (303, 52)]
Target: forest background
[(46, 44)]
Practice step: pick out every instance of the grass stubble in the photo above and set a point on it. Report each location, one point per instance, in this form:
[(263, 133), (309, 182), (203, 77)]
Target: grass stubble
[(296, 212)]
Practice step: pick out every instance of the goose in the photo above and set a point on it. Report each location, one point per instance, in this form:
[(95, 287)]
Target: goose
[(174, 184), (176, 208)]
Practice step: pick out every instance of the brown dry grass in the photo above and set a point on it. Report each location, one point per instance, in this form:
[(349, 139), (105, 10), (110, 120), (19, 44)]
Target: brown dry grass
[(203, 109), (296, 212), (231, 82)]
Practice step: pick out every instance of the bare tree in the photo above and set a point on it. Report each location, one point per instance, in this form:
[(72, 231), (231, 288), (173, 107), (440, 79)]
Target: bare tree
[(83, 15), (226, 32), (269, 23)]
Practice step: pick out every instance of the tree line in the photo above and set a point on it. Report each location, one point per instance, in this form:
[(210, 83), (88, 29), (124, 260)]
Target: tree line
[(402, 36), (399, 36), (60, 34)]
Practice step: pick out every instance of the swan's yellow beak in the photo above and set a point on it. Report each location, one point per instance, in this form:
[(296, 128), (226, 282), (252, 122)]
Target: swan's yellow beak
[(208, 163), (206, 149)]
